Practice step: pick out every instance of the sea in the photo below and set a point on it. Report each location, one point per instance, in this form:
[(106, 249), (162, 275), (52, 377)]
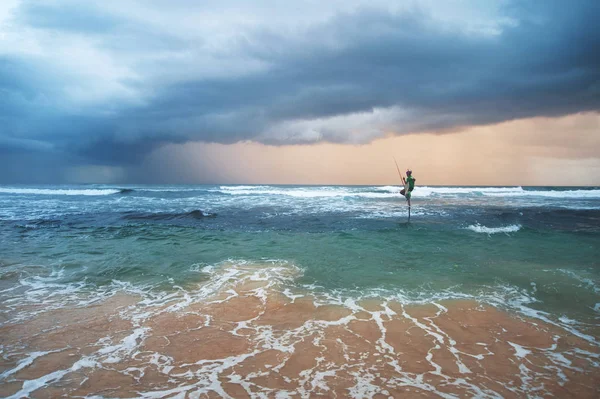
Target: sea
[(283, 291)]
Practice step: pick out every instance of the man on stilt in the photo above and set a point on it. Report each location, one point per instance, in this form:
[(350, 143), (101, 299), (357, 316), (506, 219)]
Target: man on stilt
[(409, 186)]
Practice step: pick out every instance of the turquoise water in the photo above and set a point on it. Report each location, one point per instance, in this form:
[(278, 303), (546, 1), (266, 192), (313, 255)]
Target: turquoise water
[(520, 248)]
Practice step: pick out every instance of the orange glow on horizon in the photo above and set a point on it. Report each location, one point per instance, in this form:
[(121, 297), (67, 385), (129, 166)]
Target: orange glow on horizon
[(538, 151)]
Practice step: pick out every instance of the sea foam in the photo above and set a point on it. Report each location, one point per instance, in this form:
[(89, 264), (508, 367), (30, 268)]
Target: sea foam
[(48, 191), (513, 228), (427, 191)]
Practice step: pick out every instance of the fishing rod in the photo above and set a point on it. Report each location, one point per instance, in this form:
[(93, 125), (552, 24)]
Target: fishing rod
[(398, 169)]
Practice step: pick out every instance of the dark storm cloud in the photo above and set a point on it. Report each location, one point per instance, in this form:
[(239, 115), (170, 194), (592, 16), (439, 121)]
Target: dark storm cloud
[(448, 79), (543, 61)]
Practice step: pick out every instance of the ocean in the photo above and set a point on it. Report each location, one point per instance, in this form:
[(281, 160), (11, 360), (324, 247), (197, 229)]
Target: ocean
[(206, 291)]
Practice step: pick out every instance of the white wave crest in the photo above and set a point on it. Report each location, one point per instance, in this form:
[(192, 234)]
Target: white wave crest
[(420, 191), (311, 192), (426, 191), (513, 228), (48, 191), (298, 193), (391, 189), (243, 188)]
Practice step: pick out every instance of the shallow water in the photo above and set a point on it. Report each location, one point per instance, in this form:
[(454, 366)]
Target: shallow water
[(168, 291)]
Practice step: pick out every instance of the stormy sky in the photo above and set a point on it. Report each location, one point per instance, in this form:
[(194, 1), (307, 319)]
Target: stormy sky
[(95, 90)]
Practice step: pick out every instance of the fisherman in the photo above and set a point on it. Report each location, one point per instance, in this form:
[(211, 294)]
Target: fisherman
[(411, 185)]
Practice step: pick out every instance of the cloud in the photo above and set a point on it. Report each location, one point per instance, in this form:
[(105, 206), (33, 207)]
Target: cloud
[(73, 17), (106, 84)]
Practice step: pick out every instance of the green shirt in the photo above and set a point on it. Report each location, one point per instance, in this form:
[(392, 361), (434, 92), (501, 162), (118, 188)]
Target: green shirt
[(411, 183)]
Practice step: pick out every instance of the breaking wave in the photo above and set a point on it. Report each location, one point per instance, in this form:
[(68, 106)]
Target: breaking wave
[(426, 191), (66, 191), (493, 230)]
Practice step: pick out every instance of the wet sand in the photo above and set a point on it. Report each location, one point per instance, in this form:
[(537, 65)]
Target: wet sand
[(252, 337)]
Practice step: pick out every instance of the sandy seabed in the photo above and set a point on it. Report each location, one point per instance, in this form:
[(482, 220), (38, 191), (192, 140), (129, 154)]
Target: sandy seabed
[(249, 336)]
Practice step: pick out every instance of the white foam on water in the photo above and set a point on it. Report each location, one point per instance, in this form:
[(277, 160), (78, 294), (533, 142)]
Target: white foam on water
[(378, 195), (514, 299), (503, 297), (534, 287), (572, 194), (26, 362), (225, 280), (165, 189), (576, 207), (313, 192), (587, 282), (520, 351), (48, 293), (366, 202), (391, 189), (48, 191), (297, 193), (513, 228), (163, 362), (114, 353), (364, 387), (324, 191), (30, 386), (427, 191), (244, 188)]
